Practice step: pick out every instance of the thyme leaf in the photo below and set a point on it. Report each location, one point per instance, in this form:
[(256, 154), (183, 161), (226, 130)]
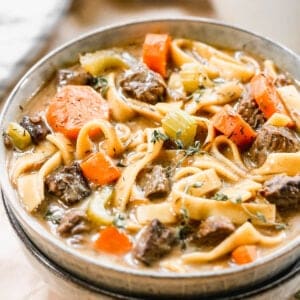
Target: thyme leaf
[(54, 215), (238, 200), (220, 197), (280, 226), (197, 184), (119, 220), (191, 150), (100, 83), (158, 136), (261, 217), (184, 229)]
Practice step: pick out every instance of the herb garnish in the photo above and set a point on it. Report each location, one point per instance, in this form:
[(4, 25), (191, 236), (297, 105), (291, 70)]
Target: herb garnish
[(238, 200), (179, 144), (100, 84), (280, 226), (184, 229), (191, 150), (220, 197), (54, 215), (197, 184), (261, 217), (119, 220), (158, 136)]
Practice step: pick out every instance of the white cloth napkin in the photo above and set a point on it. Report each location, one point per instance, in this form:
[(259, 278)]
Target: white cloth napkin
[(24, 29)]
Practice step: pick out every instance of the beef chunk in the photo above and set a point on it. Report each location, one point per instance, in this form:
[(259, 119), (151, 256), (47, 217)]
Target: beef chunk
[(250, 112), (68, 184), (155, 241), (143, 84), (36, 128), (155, 182), (214, 230), (74, 221), (273, 139), (65, 77), (282, 190)]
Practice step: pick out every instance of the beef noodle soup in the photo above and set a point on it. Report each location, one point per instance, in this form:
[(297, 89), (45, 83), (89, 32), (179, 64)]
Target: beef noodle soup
[(172, 155)]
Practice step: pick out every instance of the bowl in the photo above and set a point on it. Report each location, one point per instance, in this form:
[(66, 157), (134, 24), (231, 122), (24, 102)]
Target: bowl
[(65, 284), (123, 279)]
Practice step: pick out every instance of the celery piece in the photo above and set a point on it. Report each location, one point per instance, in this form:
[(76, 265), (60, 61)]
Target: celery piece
[(193, 76), (98, 62), (190, 80), (19, 135), (96, 211), (179, 125)]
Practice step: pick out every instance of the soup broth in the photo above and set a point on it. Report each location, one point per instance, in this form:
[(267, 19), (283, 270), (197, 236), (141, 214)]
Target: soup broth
[(171, 155)]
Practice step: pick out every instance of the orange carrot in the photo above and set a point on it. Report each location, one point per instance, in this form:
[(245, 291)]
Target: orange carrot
[(266, 96), (99, 169), (73, 106), (112, 241), (231, 124), (156, 49), (244, 254)]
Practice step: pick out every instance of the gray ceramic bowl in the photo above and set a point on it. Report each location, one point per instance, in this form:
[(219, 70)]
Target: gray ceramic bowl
[(66, 284), (119, 278)]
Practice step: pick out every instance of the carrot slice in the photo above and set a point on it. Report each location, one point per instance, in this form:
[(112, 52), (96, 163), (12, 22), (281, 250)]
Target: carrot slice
[(266, 96), (156, 50), (231, 124), (73, 106), (112, 241), (99, 169), (244, 254)]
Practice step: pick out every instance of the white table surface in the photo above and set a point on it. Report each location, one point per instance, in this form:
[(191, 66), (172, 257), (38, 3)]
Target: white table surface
[(277, 19)]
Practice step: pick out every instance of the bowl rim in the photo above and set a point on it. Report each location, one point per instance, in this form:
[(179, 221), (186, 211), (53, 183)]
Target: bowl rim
[(21, 213)]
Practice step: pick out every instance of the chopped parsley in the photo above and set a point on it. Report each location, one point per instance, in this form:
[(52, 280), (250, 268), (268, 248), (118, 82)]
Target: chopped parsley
[(158, 136)]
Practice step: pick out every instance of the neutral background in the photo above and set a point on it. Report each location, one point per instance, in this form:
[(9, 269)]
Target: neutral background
[(277, 19)]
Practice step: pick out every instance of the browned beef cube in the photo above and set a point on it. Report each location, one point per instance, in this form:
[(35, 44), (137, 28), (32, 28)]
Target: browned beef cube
[(214, 230), (154, 242), (282, 190), (250, 112), (143, 84), (155, 182), (68, 184), (74, 221), (273, 139), (36, 128)]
